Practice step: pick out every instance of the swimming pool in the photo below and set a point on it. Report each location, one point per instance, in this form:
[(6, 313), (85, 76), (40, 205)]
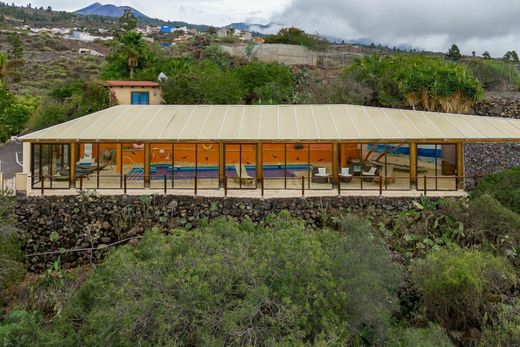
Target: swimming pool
[(158, 171)]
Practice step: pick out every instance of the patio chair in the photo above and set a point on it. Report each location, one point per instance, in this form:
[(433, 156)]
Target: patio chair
[(320, 175), (345, 176), (368, 176), (389, 178), (244, 177)]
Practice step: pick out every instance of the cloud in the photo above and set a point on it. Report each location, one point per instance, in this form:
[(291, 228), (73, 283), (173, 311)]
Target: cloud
[(211, 12), (477, 25)]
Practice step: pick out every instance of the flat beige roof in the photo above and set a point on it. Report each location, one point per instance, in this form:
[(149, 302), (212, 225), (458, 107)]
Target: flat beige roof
[(166, 123)]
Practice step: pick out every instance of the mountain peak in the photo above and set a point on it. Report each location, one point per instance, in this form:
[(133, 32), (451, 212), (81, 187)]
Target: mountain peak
[(108, 10)]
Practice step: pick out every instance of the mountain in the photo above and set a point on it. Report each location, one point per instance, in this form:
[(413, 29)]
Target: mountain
[(108, 10)]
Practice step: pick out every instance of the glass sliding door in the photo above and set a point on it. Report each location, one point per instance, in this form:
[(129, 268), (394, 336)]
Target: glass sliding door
[(274, 166), (184, 165), (241, 166), (320, 157), (297, 157), (50, 166), (438, 163), (207, 166)]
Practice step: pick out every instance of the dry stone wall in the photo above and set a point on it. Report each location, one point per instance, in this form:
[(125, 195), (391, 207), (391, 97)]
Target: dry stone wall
[(58, 223), (487, 158)]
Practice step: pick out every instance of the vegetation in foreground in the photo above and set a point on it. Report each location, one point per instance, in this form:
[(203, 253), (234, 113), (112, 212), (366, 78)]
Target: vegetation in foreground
[(444, 273)]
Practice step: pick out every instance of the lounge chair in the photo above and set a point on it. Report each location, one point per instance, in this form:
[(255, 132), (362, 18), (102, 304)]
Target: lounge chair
[(389, 178), (368, 176), (345, 176), (244, 176)]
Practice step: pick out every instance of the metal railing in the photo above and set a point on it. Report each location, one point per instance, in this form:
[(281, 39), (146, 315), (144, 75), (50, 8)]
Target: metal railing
[(167, 183)]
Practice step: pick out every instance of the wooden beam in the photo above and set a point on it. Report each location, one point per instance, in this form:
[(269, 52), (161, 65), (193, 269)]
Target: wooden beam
[(72, 164), (460, 164), (259, 161), (335, 159), (221, 161), (413, 164), (147, 165)]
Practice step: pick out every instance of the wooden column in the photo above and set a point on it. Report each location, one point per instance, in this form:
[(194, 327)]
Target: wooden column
[(147, 165), (335, 159), (72, 164), (221, 161), (413, 165), (460, 164), (259, 161)]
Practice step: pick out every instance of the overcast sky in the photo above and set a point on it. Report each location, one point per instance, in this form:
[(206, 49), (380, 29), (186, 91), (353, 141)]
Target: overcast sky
[(475, 25)]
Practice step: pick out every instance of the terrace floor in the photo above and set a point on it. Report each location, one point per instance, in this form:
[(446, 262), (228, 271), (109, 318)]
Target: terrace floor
[(255, 193)]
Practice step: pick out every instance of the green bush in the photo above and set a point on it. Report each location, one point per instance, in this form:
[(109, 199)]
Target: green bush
[(12, 268), (238, 284), (19, 328), (504, 329), (266, 83), (457, 286), (503, 186), (418, 81), (48, 115), (495, 75), (295, 36), (204, 83), (432, 336)]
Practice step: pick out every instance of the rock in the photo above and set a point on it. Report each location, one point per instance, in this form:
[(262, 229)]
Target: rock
[(133, 232), (102, 246), (105, 240)]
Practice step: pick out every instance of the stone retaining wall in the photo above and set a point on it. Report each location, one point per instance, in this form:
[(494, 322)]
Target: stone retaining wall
[(57, 223), (487, 158)]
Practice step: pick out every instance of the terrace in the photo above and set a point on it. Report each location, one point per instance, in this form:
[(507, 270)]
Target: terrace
[(314, 149)]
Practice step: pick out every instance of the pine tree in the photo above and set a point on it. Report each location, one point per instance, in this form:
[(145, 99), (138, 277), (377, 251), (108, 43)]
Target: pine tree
[(15, 51), (454, 53), (486, 55)]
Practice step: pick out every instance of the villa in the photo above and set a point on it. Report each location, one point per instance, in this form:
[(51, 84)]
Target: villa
[(242, 147)]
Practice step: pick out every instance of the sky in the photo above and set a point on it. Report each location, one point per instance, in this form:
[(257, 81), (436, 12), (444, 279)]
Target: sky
[(474, 25)]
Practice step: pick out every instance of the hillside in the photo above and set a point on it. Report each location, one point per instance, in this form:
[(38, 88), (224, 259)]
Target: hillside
[(108, 10)]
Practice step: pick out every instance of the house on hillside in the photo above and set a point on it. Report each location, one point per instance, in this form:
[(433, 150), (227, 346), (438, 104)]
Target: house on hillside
[(135, 92)]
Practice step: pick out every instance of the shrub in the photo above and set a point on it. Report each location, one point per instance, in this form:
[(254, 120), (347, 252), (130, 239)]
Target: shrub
[(205, 83), (504, 329), (19, 328), (418, 81), (238, 284), (458, 285), (494, 75), (432, 336), (266, 83), (48, 115), (295, 36), (503, 186), (11, 257)]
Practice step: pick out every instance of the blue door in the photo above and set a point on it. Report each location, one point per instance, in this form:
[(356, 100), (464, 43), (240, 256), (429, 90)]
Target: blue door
[(140, 98)]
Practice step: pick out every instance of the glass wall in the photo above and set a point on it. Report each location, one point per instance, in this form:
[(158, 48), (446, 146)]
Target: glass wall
[(371, 166), (161, 165), (51, 166), (240, 166), (184, 165), (207, 166), (274, 166), (133, 165), (109, 166), (297, 156), (320, 157), (438, 162)]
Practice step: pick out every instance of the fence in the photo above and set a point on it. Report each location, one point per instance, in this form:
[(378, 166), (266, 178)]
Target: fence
[(124, 183)]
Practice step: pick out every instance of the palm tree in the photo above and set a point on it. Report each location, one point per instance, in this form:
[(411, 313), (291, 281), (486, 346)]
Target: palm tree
[(133, 47)]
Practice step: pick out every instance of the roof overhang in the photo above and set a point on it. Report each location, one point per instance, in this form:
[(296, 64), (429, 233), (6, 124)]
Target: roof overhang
[(281, 123)]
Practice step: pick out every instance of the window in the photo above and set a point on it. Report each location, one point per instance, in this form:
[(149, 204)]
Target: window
[(140, 98)]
